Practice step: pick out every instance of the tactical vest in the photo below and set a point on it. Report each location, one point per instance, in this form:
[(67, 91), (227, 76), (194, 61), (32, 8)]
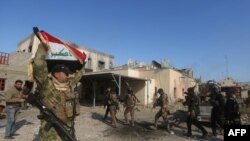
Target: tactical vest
[(62, 103), (130, 100), (113, 100), (162, 100)]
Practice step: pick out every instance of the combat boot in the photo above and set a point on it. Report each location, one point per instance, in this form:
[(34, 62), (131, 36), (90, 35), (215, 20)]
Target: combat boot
[(132, 124), (205, 135)]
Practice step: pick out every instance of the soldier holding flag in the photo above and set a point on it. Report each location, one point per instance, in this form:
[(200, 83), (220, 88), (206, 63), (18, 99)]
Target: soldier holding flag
[(56, 90)]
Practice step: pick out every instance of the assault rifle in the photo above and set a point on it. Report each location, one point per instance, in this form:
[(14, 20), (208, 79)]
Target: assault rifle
[(52, 120)]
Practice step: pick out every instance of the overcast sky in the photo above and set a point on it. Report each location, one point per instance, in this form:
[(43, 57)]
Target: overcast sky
[(210, 36)]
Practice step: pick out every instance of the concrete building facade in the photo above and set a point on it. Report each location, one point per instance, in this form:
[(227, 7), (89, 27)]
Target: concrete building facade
[(15, 69), (172, 81)]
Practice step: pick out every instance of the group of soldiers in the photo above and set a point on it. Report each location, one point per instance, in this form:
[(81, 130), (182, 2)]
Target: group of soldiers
[(112, 103), (225, 110)]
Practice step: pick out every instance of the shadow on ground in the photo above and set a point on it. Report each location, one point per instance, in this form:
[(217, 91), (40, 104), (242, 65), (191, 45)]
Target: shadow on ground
[(99, 117), (21, 123)]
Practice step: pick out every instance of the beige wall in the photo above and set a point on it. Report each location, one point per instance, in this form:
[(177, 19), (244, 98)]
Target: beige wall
[(17, 68), (133, 73), (95, 57), (138, 87), (29, 41), (171, 81), (149, 92), (179, 84), (228, 82)]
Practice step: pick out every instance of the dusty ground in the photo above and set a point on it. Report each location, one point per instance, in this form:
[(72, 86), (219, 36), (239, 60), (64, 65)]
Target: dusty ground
[(90, 127)]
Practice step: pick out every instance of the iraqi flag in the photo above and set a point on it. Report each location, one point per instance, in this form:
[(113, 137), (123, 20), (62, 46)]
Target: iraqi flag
[(61, 52)]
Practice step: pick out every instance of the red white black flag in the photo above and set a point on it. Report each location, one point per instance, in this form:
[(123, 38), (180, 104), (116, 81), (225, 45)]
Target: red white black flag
[(58, 49)]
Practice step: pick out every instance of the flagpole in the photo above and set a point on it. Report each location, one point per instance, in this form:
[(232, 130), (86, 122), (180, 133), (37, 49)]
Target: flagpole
[(38, 35), (36, 31)]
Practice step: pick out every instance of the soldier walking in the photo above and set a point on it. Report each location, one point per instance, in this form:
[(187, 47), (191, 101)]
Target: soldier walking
[(113, 106), (217, 112), (107, 97), (192, 102), (232, 113), (130, 102), (163, 102)]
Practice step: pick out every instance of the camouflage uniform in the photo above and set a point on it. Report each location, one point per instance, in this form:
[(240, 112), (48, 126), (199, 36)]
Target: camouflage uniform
[(232, 110), (130, 102), (107, 95), (113, 106), (192, 102), (61, 103), (162, 101), (217, 112)]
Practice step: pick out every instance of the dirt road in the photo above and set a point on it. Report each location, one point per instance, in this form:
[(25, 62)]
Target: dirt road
[(90, 127)]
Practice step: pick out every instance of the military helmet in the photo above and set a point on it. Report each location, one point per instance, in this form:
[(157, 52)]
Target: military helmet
[(213, 86), (61, 68), (130, 91), (160, 90), (216, 89)]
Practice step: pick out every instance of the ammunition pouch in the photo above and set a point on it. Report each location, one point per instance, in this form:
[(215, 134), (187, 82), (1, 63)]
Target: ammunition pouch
[(69, 108), (72, 105), (76, 106)]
